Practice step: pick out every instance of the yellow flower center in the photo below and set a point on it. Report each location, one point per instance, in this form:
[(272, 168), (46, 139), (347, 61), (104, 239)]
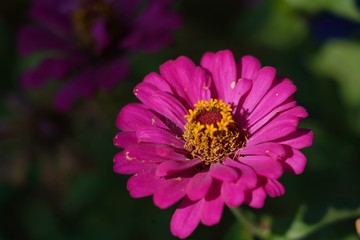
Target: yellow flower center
[(211, 133)]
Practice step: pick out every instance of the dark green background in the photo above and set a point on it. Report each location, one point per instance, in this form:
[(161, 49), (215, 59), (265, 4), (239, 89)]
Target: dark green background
[(63, 187)]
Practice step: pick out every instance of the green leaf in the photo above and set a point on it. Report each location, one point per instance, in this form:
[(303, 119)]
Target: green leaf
[(345, 8)]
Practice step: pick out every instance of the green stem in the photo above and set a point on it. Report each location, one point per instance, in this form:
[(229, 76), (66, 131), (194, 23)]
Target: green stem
[(250, 226), (300, 230)]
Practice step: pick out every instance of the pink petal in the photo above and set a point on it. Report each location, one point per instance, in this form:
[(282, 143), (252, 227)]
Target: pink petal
[(274, 188), (223, 69), (279, 127), (162, 102), (296, 162), (276, 96), (263, 165), (172, 167), (300, 139), (188, 81), (156, 80), (260, 87), (212, 206), (236, 94), (233, 193), (248, 178), (248, 67), (154, 153), (199, 186), (123, 164), (223, 172), (256, 198), (269, 117), (159, 135), (124, 139), (143, 185), (135, 115), (274, 150), (186, 218), (170, 191)]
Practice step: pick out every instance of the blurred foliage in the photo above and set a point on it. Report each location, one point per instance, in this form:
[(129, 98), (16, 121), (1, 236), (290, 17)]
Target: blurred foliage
[(61, 186)]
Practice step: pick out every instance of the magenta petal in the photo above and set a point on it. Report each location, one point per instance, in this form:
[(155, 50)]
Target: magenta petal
[(170, 191), (212, 206), (274, 188), (270, 116), (124, 139), (235, 96), (274, 150), (296, 162), (223, 69), (143, 185), (256, 198), (223, 172), (248, 178), (276, 96), (186, 218), (159, 135), (136, 115), (162, 102), (199, 185), (156, 80), (233, 194), (279, 127), (260, 87), (248, 67), (188, 81), (123, 164), (299, 139), (171, 167), (154, 153), (263, 165)]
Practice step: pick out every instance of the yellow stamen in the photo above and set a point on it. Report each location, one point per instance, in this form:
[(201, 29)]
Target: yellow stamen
[(211, 133)]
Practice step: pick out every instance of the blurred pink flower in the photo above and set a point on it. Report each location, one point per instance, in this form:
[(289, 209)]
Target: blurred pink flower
[(217, 134), (89, 42)]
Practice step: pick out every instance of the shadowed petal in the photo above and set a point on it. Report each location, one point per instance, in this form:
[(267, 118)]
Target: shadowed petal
[(274, 188), (213, 205), (248, 67), (199, 185), (256, 198), (173, 167), (223, 172), (124, 139), (171, 191), (159, 135)]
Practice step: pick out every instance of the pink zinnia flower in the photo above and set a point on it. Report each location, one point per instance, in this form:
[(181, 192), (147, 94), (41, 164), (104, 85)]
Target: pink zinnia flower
[(89, 42), (217, 134)]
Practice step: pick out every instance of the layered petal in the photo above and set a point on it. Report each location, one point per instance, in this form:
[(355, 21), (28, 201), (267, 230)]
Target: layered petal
[(186, 218)]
